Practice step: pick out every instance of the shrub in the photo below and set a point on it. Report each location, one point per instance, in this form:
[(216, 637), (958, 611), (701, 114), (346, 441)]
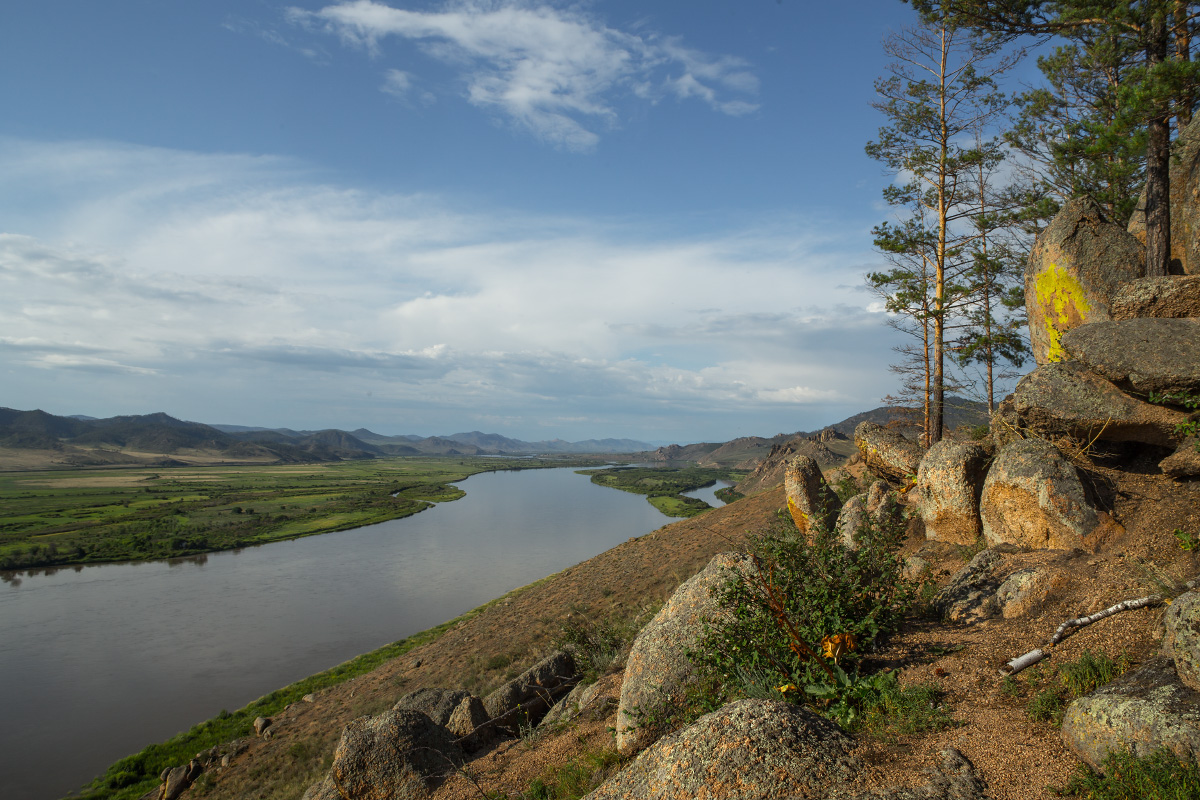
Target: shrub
[(814, 607)]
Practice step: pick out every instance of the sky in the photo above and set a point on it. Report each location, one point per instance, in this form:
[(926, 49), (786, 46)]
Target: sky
[(541, 219)]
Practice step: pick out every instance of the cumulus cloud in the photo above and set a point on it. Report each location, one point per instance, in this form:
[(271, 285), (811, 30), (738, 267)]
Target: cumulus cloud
[(553, 71), (287, 300)]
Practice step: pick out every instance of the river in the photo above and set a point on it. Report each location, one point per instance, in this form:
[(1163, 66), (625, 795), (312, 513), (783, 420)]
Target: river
[(97, 662), (709, 493)]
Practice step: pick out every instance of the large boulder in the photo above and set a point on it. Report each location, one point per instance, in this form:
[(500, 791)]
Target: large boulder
[(970, 596), (888, 453), (1075, 266), (1182, 640), (949, 482), (1140, 355), (953, 778), (438, 704), (1142, 711), (810, 501), (873, 510), (469, 724), (749, 749), (397, 755), (658, 667), (1033, 497), (1163, 296), (526, 698), (1067, 399), (1185, 461), (1185, 203)]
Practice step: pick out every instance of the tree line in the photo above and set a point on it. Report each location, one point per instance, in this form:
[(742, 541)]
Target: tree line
[(980, 172)]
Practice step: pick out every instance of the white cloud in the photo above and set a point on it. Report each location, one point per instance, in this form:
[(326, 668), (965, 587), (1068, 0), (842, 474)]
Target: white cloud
[(260, 285), (553, 71), (397, 82)]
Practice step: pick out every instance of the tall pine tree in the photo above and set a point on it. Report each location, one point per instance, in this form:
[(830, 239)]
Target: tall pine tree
[(941, 88)]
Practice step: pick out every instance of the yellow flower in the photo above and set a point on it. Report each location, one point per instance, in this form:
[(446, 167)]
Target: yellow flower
[(837, 645), (787, 687)]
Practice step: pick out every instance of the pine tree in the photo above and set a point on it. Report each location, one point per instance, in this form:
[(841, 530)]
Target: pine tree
[(941, 87), (1073, 136), (1160, 87)]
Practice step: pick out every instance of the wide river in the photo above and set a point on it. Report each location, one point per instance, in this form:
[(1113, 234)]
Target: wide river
[(97, 662)]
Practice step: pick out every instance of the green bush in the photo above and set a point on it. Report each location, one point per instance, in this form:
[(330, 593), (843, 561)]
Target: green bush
[(814, 609)]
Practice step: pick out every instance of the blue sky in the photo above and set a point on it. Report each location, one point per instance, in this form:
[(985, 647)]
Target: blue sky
[(629, 219)]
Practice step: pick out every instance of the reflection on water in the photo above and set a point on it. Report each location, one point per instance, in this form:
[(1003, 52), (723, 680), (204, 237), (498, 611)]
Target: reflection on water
[(99, 661)]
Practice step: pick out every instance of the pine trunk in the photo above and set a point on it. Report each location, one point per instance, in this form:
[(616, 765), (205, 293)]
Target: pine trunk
[(1158, 165)]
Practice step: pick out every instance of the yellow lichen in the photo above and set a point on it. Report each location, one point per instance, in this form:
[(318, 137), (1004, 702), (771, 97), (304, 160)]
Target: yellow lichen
[(798, 516), (1062, 302)]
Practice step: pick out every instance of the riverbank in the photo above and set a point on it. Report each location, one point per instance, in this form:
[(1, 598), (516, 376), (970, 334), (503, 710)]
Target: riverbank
[(63, 518), (477, 651)]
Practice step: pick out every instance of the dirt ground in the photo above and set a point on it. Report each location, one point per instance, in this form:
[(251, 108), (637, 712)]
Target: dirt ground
[(1019, 758)]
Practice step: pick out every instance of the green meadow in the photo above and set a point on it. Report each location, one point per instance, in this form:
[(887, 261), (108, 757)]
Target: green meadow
[(664, 486), (87, 516)]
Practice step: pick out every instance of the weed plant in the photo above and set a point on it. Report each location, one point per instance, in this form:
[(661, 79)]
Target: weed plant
[(1159, 776), (597, 646), (1071, 680), (798, 631), (576, 778)]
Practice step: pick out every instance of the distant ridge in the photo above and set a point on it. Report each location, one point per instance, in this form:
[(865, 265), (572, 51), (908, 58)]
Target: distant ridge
[(159, 439)]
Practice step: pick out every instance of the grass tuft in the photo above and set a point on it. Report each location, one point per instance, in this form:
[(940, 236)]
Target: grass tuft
[(1159, 776)]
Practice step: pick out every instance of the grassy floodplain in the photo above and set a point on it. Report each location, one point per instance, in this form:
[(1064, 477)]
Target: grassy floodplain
[(664, 486), (54, 518)]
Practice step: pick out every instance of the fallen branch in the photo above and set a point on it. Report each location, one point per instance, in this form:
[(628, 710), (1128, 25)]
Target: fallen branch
[(1070, 626)]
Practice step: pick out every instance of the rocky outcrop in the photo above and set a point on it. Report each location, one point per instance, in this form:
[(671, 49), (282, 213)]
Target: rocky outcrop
[(987, 587), (1184, 462), (954, 778), (1142, 711), (526, 698), (1140, 355), (1182, 639), (1026, 590), (873, 510), (888, 453), (949, 483), (1075, 266), (398, 754), (1033, 497), (658, 666), (770, 471), (177, 780), (1066, 399), (468, 723), (748, 749), (810, 501), (437, 704), (970, 596), (1162, 296)]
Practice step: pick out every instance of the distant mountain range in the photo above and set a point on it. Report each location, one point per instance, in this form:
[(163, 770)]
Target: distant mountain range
[(160, 439), (35, 439)]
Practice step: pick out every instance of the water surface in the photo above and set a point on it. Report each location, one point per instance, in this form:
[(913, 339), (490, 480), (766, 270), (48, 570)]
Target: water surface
[(97, 662)]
